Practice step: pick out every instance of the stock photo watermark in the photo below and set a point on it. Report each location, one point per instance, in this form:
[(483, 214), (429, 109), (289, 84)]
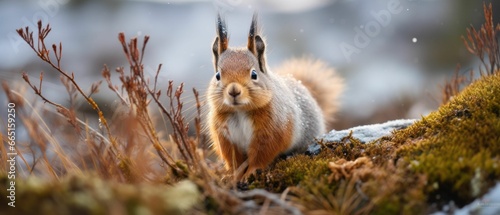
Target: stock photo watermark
[(48, 9), (371, 29), (11, 154)]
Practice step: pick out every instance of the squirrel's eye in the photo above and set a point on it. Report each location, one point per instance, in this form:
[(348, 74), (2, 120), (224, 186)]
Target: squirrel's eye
[(254, 75), (217, 76)]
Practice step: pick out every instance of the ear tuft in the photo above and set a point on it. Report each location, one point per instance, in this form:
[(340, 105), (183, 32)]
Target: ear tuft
[(255, 43), (252, 33), (222, 34), (221, 40)]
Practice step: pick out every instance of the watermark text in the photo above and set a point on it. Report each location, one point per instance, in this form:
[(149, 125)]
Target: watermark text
[(371, 29), (11, 153)]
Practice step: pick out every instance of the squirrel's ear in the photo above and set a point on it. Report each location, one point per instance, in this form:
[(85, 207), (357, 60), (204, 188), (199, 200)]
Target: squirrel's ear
[(221, 41), (260, 47), (255, 43), (215, 50)]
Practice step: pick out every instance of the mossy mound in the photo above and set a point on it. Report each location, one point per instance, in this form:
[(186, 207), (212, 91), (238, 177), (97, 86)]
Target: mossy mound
[(88, 194), (453, 154), (458, 146)]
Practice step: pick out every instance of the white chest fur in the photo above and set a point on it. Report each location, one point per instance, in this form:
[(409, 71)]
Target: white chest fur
[(239, 130)]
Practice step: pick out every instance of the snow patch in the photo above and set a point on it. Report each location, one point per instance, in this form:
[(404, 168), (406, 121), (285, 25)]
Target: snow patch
[(489, 204), (368, 133)]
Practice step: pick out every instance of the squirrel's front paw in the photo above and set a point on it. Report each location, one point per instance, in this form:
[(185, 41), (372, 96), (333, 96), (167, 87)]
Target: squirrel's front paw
[(243, 172), (247, 174)]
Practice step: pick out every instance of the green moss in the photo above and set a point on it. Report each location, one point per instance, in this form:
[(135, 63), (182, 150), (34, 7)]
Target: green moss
[(453, 154), (458, 146), (311, 188), (292, 171), (304, 169)]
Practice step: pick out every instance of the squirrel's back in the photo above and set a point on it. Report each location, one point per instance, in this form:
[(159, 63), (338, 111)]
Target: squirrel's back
[(320, 80)]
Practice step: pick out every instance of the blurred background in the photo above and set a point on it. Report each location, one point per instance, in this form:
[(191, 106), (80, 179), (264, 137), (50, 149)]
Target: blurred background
[(395, 55)]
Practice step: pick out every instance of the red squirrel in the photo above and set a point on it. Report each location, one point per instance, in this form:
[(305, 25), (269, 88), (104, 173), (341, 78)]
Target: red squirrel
[(256, 114)]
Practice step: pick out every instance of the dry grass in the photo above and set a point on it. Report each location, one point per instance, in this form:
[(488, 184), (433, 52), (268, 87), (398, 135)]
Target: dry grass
[(482, 43), (455, 85)]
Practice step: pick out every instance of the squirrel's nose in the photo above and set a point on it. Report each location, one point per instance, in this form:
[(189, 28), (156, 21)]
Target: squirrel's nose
[(234, 92)]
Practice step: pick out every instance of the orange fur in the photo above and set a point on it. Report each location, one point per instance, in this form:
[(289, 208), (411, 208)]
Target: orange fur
[(266, 143), (268, 140)]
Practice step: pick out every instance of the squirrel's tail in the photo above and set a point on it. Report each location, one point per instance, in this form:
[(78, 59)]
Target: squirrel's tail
[(322, 81)]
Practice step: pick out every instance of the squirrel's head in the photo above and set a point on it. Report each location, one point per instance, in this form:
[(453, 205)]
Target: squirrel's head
[(241, 80)]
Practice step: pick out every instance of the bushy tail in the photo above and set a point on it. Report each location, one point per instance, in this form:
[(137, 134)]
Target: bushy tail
[(324, 84)]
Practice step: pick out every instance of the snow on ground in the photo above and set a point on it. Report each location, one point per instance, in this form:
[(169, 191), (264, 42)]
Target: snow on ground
[(365, 133), (368, 133), (489, 204)]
